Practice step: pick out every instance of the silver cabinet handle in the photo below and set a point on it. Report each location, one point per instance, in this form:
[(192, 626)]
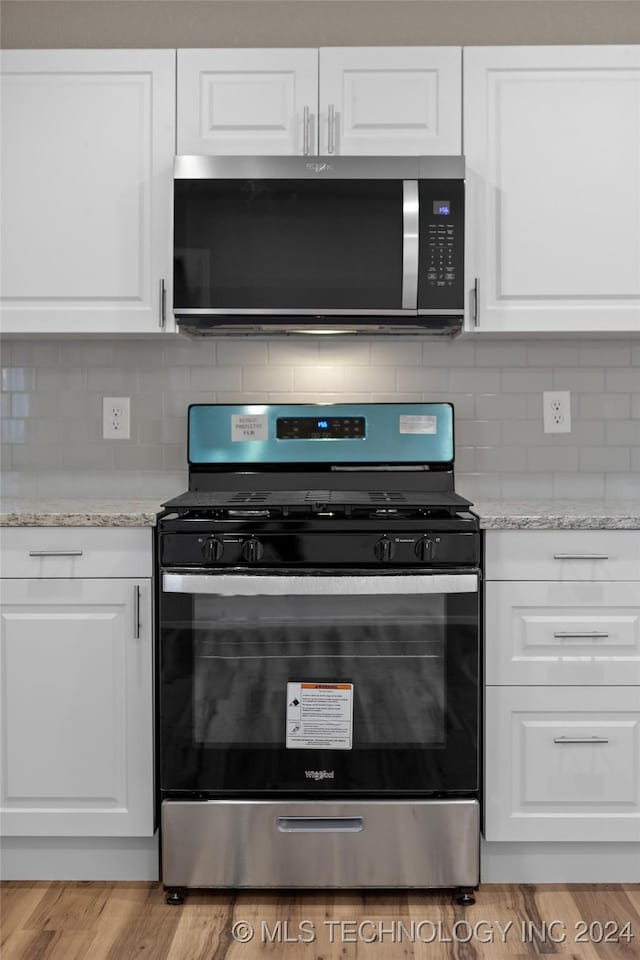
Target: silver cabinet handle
[(476, 302), (55, 553), (410, 243), (305, 132), (580, 556), (136, 612), (580, 740), (331, 119), (592, 635), (163, 304), (320, 824)]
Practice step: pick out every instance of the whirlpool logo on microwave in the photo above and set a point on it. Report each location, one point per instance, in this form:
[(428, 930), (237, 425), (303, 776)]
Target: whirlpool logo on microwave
[(319, 774)]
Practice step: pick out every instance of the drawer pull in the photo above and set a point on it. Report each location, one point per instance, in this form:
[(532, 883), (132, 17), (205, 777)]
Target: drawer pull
[(320, 824), (580, 556), (136, 612), (594, 635), (55, 553), (580, 740)]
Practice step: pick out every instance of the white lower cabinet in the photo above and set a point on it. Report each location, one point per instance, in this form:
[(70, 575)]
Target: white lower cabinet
[(562, 697), (563, 763), (76, 686)]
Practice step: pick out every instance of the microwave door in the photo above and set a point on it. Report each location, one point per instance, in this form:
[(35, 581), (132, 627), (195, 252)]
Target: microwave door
[(296, 246)]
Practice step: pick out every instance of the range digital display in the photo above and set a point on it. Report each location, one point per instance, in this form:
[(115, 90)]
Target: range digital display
[(320, 428)]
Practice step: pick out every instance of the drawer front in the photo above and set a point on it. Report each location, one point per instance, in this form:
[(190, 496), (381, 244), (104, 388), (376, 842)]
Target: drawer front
[(562, 633), (52, 552), (562, 764), (562, 555)]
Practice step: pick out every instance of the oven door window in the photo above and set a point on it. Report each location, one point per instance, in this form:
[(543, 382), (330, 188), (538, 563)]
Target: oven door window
[(405, 666)]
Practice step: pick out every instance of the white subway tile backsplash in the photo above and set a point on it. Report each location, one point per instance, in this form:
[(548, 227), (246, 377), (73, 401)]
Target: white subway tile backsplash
[(216, 378), (602, 459), (234, 352), (589, 380), (622, 381), (496, 354), (557, 459), (599, 354), (321, 378), (578, 486), (473, 380), (545, 354), (608, 406), (51, 406), (264, 378), (623, 432), (527, 486), (425, 379), (529, 380)]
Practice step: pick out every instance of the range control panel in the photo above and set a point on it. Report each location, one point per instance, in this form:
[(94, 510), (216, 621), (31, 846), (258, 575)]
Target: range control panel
[(320, 428), (441, 281)]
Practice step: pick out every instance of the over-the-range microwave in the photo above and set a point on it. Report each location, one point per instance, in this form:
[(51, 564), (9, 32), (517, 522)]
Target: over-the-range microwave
[(319, 245)]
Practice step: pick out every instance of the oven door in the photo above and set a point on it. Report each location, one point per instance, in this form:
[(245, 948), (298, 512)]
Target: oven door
[(291, 684)]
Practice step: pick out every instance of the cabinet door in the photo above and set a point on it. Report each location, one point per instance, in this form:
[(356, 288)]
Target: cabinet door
[(562, 763), (88, 143), (77, 725), (552, 143), (390, 101), (256, 102)]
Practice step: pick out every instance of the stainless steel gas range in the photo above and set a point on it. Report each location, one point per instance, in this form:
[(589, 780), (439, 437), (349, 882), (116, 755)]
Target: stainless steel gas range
[(319, 652)]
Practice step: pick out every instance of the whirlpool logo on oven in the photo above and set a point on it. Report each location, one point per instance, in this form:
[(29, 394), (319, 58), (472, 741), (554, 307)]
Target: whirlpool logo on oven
[(319, 774)]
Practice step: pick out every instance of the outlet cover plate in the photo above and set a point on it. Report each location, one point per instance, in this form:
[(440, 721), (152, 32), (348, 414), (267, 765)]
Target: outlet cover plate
[(556, 409), (116, 418)]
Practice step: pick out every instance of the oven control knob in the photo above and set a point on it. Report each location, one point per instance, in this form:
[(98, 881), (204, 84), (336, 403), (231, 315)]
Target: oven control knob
[(425, 549), (252, 550), (384, 549), (212, 549)]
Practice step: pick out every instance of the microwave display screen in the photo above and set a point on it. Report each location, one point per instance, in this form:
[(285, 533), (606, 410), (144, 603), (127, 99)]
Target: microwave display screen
[(442, 208)]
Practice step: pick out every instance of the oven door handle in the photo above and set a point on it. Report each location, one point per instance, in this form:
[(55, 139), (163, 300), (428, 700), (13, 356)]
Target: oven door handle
[(266, 585)]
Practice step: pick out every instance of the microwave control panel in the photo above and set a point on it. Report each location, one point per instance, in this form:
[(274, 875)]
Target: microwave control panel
[(441, 280)]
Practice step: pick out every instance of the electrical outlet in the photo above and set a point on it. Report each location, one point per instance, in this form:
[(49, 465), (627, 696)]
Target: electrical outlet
[(556, 407), (116, 420)]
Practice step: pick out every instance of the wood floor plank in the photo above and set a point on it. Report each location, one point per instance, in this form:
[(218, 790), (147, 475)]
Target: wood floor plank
[(120, 921)]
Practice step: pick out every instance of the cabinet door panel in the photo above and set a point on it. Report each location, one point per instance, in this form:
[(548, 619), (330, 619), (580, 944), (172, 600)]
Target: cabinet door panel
[(552, 141), (562, 763), (76, 688), (397, 101), (88, 141), (238, 102)]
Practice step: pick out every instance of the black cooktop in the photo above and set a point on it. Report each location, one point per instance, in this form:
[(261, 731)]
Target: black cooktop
[(308, 500)]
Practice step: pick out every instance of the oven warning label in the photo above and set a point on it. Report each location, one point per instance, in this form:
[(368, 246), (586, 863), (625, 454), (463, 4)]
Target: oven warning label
[(319, 716), (417, 424), (249, 426)]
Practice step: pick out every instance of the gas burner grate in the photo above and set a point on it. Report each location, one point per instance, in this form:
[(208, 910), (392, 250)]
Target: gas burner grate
[(385, 496), (249, 497)]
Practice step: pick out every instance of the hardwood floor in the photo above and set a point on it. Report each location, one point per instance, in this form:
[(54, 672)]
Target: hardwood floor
[(123, 921)]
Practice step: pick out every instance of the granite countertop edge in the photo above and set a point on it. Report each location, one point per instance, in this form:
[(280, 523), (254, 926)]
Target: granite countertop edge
[(494, 515), (107, 513)]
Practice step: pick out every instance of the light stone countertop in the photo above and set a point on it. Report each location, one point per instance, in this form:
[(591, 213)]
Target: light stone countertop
[(558, 514), (79, 513), (494, 515)]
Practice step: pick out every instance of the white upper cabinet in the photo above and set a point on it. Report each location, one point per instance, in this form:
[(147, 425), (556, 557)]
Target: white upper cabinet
[(236, 102), (376, 101), (552, 144), (391, 101), (87, 151)]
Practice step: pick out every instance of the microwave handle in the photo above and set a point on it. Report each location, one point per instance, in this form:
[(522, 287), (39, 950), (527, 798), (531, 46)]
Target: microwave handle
[(410, 244)]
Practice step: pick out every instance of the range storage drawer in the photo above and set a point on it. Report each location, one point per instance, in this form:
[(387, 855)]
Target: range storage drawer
[(63, 552), (563, 764), (568, 633), (562, 555)]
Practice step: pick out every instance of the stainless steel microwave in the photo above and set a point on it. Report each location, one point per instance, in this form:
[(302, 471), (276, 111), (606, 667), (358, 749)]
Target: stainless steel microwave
[(319, 245)]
